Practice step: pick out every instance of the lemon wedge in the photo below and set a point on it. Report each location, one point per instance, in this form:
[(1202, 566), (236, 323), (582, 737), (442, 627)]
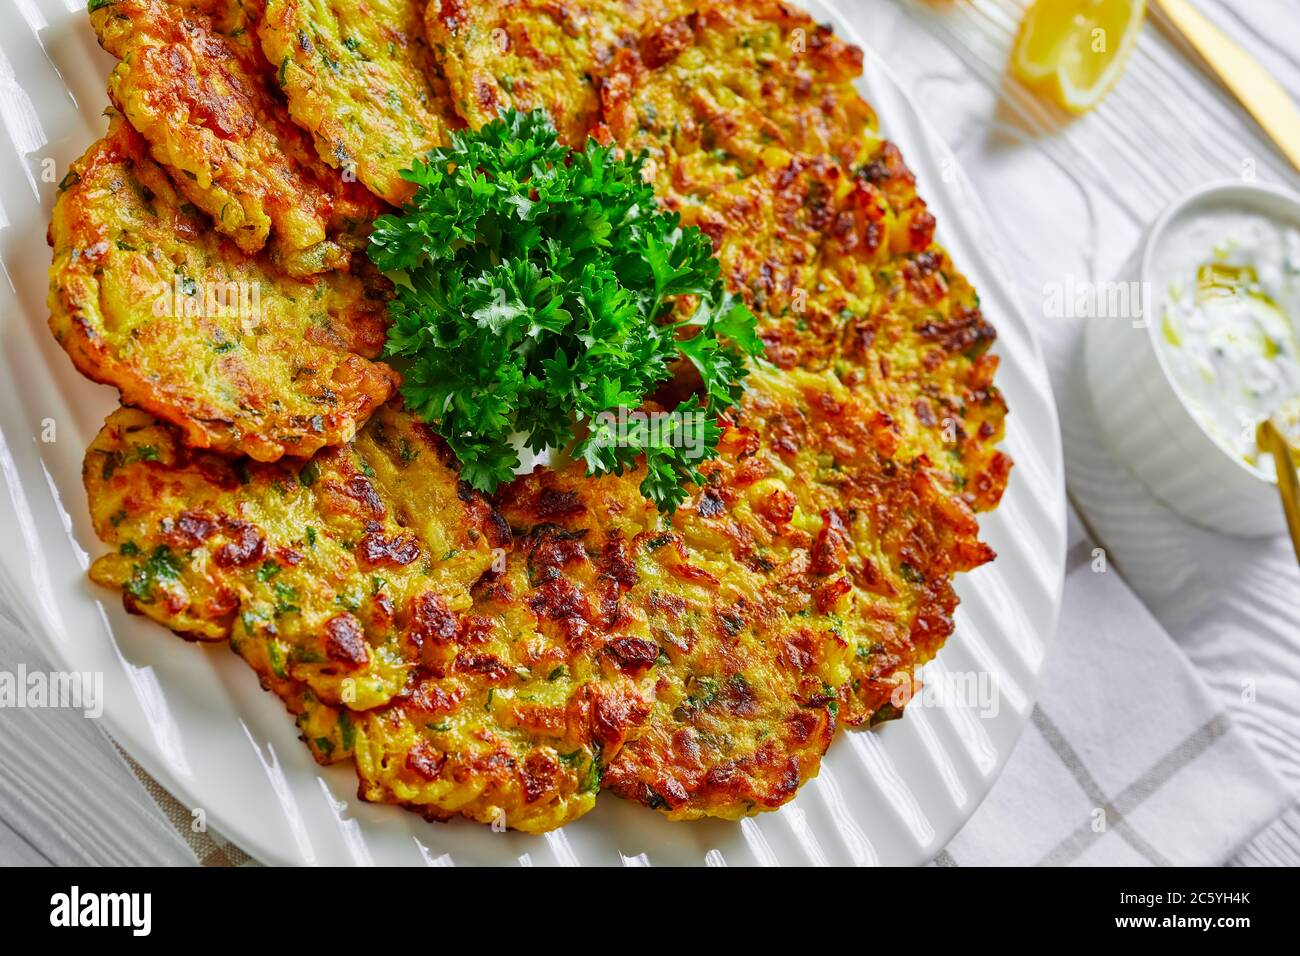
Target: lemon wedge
[(1075, 50)]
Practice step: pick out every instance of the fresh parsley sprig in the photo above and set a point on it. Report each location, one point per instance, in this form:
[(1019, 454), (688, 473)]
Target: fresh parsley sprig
[(536, 289)]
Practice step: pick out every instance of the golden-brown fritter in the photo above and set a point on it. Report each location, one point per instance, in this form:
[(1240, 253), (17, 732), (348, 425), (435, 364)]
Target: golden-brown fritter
[(145, 297), (362, 80), (498, 684), (832, 557), (550, 703), (202, 103), (236, 22), (707, 92), (311, 569), (760, 139), (526, 54), (774, 233), (841, 269), (923, 343), (714, 607)]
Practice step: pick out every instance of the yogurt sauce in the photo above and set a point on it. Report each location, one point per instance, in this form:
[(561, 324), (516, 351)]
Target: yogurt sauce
[(1229, 284)]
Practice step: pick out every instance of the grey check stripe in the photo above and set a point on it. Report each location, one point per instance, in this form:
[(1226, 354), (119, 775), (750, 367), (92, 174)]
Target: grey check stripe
[(1132, 797), (1072, 846), (207, 850)]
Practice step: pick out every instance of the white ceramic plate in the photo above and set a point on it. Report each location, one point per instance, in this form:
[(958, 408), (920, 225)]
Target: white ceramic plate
[(195, 717)]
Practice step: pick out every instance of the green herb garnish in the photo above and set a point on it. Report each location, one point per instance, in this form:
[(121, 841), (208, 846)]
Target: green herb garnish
[(347, 731), (285, 596), (160, 566), (538, 293), (595, 771)]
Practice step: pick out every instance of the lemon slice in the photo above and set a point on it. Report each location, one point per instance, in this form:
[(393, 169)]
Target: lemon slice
[(1075, 50)]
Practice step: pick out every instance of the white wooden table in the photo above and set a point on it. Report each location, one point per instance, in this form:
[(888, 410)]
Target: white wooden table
[(1070, 198)]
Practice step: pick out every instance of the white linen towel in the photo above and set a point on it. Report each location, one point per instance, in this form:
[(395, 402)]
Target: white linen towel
[(1127, 759)]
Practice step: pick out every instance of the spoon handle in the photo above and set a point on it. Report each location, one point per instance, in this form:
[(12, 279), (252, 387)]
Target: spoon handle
[(1272, 441), (1258, 91)]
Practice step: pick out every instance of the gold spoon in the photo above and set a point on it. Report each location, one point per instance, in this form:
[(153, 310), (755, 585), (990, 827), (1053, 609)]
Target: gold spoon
[(1279, 435), (1262, 95)]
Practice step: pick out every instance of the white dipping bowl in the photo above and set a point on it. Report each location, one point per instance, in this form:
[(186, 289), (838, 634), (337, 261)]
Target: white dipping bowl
[(1143, 417)]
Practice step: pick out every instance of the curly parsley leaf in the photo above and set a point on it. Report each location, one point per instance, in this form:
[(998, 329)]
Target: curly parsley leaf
[(536, 294)]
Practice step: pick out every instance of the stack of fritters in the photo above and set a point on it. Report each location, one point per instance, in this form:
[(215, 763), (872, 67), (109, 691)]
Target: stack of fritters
[(506, 658)]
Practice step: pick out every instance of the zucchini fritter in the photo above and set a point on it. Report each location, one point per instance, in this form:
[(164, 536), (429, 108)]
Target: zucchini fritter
[(202, 103), (143, 296), (361, 79), (833, 557), (923, 345), (525, 54), (842, 271), (551, 704), (740, 718), (308, 569), (707, 92)]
